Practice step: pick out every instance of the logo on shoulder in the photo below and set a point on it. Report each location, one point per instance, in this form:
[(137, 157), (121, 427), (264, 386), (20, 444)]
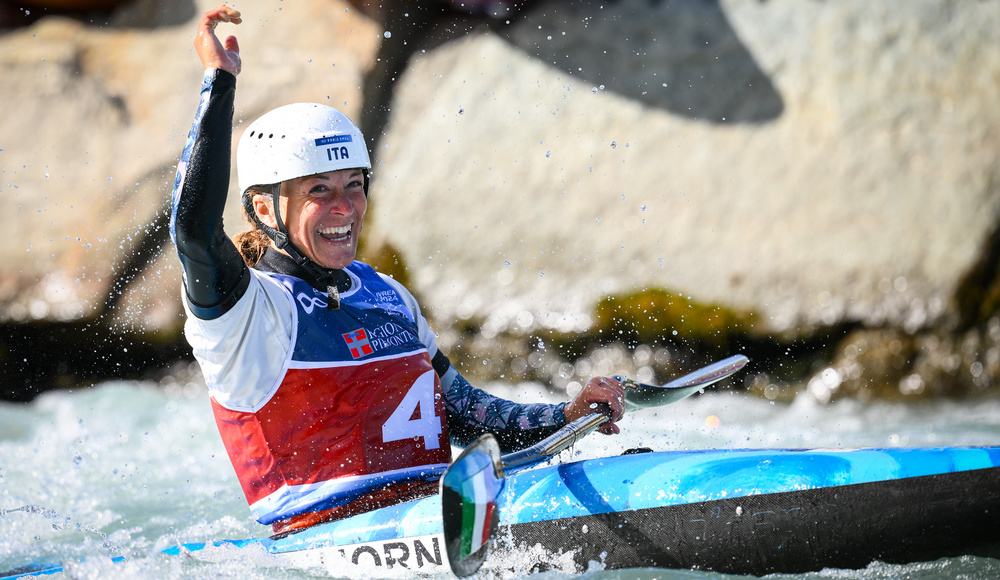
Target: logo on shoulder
[(358, 343)]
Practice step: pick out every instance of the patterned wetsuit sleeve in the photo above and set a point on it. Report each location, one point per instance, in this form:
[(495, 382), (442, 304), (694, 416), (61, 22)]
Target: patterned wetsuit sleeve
[(473, 412), (214, 273)]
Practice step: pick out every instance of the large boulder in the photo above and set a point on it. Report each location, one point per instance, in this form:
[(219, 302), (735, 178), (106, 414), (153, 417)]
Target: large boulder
[(858, 178), (827, 166)]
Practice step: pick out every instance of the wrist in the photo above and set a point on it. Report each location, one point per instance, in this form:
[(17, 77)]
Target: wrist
[(559, 414)]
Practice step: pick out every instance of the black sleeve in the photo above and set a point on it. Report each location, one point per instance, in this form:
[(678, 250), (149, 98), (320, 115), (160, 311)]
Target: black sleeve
[(215, 276)]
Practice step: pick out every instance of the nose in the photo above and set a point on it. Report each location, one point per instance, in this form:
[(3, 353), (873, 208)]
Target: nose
[(340, 202)]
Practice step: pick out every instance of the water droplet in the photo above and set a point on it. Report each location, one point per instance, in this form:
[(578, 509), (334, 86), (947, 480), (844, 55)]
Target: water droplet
[(614, 145), (548, 154), (387, 34)]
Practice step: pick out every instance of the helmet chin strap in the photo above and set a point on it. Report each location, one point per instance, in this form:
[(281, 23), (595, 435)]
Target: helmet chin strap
[(284, 243)]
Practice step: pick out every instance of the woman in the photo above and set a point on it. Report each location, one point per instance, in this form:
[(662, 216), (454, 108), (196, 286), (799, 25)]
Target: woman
[(327, 385)]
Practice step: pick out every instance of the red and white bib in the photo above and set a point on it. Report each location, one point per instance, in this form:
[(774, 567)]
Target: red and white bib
[(358, 405)]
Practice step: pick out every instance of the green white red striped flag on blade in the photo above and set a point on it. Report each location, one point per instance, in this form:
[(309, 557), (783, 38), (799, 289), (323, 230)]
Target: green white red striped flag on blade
[(469, 492)]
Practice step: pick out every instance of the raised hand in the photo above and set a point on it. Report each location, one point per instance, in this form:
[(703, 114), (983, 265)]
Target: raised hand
[(212, 52)]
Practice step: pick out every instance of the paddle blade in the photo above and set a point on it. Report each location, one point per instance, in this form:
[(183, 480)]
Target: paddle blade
[(640, 396), (469, 492)]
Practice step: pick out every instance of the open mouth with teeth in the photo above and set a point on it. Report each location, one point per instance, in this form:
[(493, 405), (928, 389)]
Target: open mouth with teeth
[(336, 234)]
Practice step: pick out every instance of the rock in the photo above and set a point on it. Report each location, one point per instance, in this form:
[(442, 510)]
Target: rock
[(537, 169), (95, 119), (824, 172)]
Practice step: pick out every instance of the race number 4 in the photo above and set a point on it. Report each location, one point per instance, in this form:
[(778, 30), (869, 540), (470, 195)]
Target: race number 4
[(402, 425)]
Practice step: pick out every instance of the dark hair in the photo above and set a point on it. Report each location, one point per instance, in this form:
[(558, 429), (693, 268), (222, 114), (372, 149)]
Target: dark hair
[(253, 242)]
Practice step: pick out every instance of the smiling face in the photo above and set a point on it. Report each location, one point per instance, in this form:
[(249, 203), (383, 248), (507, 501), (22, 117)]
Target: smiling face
[(323, 214)]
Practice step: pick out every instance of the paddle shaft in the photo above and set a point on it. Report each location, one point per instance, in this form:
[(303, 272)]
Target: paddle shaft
[(555, 443)]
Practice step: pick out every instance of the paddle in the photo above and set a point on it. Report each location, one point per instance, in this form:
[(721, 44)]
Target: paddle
[(471, 486), (640, 396)]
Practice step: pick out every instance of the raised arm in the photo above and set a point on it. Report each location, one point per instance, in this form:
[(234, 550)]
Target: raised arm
[(214, 273)]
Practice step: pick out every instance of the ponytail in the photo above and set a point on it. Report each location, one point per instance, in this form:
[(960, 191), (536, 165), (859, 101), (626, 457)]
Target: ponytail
[(253, 242), (251, 245)]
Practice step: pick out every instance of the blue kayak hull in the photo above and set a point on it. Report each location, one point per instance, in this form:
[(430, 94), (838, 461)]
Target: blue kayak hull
[(849, 526), (735, 511)]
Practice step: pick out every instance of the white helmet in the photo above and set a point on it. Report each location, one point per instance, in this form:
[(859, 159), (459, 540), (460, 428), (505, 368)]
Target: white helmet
[(298, 140)]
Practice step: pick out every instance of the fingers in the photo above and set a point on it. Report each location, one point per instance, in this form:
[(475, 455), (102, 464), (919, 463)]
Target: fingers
[(609, 429), (606, 390), (223, 13), (599, 395), (227, 14)]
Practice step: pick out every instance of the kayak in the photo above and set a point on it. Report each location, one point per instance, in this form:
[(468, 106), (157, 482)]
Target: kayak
[(740, 511), (733, 511)]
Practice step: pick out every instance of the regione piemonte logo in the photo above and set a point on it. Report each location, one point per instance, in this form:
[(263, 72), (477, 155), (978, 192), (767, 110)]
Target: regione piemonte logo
[(357, 342)]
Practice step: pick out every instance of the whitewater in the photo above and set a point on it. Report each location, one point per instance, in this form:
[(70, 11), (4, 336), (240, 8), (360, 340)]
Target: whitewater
[(126, 469)]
